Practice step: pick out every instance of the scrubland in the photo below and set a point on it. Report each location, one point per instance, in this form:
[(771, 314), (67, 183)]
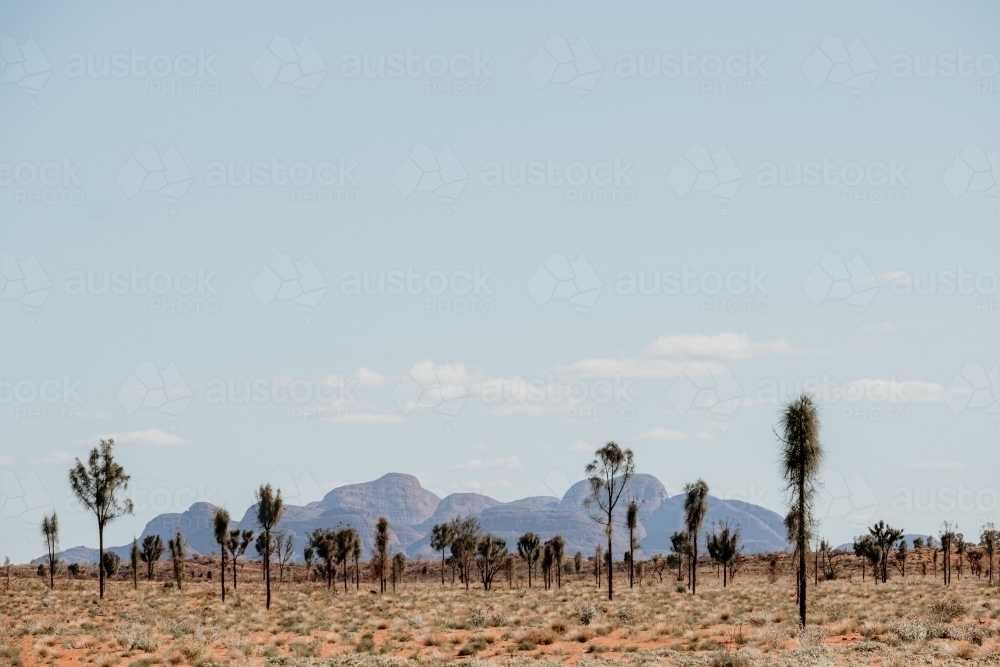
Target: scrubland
[(911, 620)]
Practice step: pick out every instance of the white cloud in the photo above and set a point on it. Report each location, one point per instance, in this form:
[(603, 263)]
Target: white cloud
[(360, 418), (933, 465), (660, 434), (506, 462), (481, 446), (151, 437), (881, 390), (650, 369), (527, 410), (6, 461), (667, 357), (581, 446), (369, 379), (721, 346)]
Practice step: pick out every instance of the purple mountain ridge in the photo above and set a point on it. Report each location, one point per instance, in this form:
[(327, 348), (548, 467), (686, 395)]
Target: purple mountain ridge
[(412, 512)]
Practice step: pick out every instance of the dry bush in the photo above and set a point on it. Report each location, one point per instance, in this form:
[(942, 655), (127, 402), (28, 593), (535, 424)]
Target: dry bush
[(133, 636)]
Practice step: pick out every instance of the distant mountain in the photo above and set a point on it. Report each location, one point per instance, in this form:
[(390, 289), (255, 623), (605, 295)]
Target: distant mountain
[(413, 510)]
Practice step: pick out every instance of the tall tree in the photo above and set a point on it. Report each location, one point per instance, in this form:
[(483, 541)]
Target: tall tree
[(237, 544), (284, 549), (884, 537), (988, 540), (724, 547), (529, 549), (176, 547), (547, 564), (111, 563), (269, 508), (680, 545), (50, 533), (558, 553), (631, 522), (398, 568), (947, 542), (866, 549), (98, 485), (801, 456), (322, 543), (598, 559), (344, 547), (463, 547), (220, 525), (264, 548), (356, 552), (442, 535), (151, 553), (491, 555), (133, 555), (382, 550), (609, 474), (695, 508)]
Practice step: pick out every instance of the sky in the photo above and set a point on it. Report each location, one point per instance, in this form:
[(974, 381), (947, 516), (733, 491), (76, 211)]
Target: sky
[(314, 243)]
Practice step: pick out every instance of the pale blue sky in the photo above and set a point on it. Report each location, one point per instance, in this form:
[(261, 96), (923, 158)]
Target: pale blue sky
[(927, 148)]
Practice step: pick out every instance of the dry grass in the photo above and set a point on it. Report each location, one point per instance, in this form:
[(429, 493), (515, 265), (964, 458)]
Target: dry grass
[(911, 621)]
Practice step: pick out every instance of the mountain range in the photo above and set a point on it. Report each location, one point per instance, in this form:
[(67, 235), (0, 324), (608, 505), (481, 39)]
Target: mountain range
[(413, 510)]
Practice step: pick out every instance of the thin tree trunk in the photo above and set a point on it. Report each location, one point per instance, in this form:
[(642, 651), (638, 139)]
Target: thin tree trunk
[(694, 563), (100, 558), (611, 564), (631, 558), (222, 579), (802, 541)]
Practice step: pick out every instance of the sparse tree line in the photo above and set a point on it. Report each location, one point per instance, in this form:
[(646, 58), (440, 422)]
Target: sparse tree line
[(333, 555)]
